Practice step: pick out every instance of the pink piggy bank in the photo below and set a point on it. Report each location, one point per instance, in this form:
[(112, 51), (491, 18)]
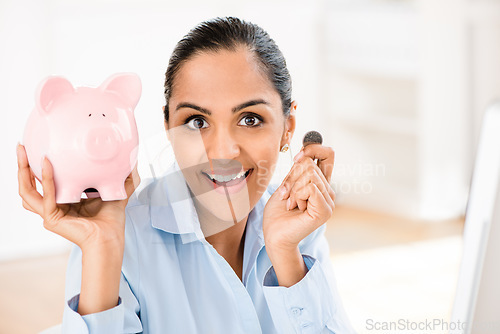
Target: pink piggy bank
[(88, 134)]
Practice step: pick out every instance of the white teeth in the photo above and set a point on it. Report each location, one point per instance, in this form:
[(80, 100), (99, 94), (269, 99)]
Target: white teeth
[(226, 178)]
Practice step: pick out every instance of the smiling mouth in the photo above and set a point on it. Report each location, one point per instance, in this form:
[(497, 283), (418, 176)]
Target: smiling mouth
[(228, 180)]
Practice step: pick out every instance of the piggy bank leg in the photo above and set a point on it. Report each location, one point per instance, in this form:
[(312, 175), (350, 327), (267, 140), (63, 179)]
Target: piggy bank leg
[(64, 196), (113, 192)]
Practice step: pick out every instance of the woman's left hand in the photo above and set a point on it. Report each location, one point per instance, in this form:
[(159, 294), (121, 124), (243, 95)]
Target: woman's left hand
[(303, 202)]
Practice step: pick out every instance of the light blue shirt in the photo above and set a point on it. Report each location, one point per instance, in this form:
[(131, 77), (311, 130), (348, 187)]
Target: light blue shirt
[(174, 281)]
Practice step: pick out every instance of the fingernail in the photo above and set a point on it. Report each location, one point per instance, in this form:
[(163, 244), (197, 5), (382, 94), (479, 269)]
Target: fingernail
[(288, 203), (298, 156), (283, 191)]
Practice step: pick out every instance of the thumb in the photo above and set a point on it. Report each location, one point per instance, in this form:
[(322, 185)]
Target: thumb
[(132, 181)]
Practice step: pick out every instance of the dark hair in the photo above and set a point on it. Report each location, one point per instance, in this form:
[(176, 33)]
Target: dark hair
[(229, 33)]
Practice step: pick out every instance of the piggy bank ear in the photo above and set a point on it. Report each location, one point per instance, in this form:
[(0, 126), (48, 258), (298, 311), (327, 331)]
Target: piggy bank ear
[(49, 90), (126, 85)]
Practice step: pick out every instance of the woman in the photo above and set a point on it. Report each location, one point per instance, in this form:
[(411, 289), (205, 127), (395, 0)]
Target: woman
[(211, 247)]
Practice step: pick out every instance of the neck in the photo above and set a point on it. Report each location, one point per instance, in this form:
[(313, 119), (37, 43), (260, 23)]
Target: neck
[(225, 234), (227, 237)]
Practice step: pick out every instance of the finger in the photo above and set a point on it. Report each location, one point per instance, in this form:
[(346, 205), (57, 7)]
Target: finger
[(301, 204), (328, 187), (27, 187), (32, 178), (330, 198), (324, 154), (305, 166), (306, 177), (317, 205), (293, 202), (314, 175), (49, 190), (27, 206), (295, 172)]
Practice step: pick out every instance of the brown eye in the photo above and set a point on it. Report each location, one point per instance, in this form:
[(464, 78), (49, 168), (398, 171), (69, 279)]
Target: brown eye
[(196, 123), (250, 121)]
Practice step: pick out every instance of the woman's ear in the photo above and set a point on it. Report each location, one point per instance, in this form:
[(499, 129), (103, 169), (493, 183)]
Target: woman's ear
[(289, 125), (165, 124)]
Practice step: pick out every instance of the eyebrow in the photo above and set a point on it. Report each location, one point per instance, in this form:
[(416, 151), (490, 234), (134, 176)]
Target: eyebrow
[(234, 110)]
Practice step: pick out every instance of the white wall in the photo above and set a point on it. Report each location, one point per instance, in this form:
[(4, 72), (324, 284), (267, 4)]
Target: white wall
[(86, 41)]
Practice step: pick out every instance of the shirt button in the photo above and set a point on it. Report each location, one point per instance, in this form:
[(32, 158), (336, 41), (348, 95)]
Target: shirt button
[(296, 311)]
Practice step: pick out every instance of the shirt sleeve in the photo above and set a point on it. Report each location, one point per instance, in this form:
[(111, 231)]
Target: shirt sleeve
[(123, 318), (313, 304)]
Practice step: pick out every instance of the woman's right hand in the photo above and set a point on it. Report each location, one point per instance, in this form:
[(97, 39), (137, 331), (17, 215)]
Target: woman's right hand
[(89, 223), (96, 226)]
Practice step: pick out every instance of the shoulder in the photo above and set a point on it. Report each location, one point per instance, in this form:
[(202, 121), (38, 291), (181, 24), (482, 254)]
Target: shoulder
[(147, 189), (148, 198)]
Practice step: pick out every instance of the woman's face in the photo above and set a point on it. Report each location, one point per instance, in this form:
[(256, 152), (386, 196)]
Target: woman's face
[(226, 122)]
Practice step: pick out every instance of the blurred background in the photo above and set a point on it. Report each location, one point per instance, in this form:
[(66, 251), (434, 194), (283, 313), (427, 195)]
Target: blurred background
[(397, 87)]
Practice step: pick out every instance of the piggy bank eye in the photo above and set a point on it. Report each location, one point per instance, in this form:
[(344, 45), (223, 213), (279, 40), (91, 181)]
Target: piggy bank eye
[(104, 115), (90, 115)]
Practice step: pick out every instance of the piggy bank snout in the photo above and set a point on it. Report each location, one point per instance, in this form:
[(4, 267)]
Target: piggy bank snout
[(102, 143)]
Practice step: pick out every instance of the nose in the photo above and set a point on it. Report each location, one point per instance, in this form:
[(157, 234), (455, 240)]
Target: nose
[(102, 143), (222, 145)]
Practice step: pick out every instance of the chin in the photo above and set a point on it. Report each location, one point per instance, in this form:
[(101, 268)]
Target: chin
[(223, 206)]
